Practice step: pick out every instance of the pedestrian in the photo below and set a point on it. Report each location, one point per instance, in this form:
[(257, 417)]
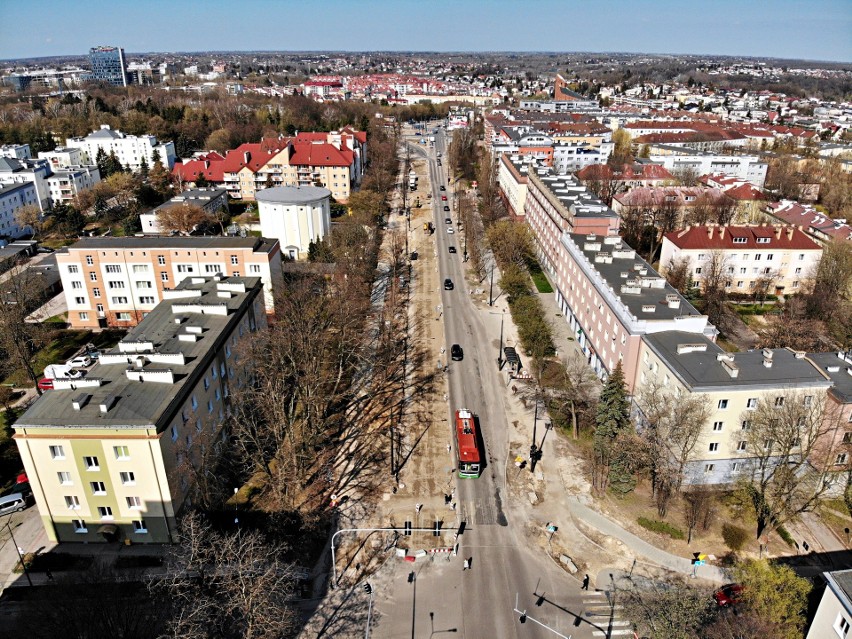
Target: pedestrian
[(586, 582), (466, 565), (447, 499), (449, 448), (453, 507), (48, 574), (417, 508)]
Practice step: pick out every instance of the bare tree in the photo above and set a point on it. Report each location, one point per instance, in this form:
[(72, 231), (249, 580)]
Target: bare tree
[(182, 218), (696, 504), (660, 611), (670, 427), (232, 584), (763, 283), (19, 339), (787, 455), (512, 243), (30, 216), (572, 390), (714, 283), (678, 273)]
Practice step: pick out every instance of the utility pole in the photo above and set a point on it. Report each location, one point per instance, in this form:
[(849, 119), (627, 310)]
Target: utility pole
[(20, 556), (491, 288)]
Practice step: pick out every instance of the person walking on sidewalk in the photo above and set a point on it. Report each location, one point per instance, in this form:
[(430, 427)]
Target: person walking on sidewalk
[(586, 582), (466, 565)]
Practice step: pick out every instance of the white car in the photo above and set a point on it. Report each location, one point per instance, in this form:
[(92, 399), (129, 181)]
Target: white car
[(81, 361), (450, 229)]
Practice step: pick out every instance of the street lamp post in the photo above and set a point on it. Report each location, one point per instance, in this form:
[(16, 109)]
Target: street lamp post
[(20, 556), (500, 347), (369, 590)]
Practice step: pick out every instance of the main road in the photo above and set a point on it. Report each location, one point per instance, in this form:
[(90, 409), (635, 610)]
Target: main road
[(480, 602)]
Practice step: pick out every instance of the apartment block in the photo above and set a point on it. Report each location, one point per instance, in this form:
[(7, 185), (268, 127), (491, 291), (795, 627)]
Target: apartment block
[(65, 183), (833, 617), (16, 151), (12, 198), (129, 149), (119, 281), (209, 199), (512, 179), (35, 172), (108, 455), (676, 159), (756, 258), (733, 384)]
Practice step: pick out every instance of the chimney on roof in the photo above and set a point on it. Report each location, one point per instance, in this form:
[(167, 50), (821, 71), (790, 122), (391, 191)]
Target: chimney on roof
[(246, 157), (206, 164), (790, 232), (778, 230), (710, 231), (722, 233)]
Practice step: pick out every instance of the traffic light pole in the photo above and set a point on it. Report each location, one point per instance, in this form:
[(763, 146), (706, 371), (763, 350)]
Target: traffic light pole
[(525, 617)]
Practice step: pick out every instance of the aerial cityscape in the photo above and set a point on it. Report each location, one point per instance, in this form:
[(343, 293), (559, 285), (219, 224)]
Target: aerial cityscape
[(392, 320)]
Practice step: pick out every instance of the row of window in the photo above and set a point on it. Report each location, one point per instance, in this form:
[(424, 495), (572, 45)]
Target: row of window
[(746, 256), (736, 467), (139, 525), (122, 453), (752, 402)]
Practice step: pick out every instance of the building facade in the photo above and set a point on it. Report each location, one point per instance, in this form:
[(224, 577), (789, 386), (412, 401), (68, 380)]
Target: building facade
[(512, 179), (129, 149), (108, 455), (775, 259), (119, 281), (108, 65), (12, 198), (35, 172), (833, 618), (295, 216), (65, 183), (209, 199)]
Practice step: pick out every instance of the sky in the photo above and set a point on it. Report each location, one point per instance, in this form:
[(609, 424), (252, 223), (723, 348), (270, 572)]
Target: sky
[(803, 29)]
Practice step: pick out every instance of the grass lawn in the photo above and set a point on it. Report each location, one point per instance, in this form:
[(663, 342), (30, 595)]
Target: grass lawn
[(539, 278), (727, 346)]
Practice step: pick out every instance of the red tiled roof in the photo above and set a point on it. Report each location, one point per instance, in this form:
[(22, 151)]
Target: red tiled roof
[(655, 196), (745, 192), (625, 172), (722, 237), (324, 154), (795, 213)]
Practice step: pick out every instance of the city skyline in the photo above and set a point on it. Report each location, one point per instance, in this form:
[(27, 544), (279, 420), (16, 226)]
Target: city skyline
[(817, 30)]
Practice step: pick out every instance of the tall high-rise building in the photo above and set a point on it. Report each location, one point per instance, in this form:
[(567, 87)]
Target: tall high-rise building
[(108, 65)]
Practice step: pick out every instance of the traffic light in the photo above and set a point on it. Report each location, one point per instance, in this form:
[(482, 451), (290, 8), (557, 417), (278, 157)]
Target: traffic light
[(437, 530), (368, 588), (407, 530)]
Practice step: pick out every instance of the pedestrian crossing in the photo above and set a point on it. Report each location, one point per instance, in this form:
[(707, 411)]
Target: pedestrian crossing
[(604, 617)]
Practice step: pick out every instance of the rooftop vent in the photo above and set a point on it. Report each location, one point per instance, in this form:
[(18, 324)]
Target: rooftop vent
[(179, 319), (108, 402), (799, 354), (81, 400), (691, 348), (731, 368), (648, 308), (832, 369)]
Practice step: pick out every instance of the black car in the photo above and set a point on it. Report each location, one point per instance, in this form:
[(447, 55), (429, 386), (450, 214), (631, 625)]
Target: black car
[(452, 249), (448, 220), (446, 208), (413, 255), (443, 188), (448, 284), (456, 353)]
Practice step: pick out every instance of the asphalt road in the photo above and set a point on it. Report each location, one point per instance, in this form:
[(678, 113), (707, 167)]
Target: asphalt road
[(439, 597)]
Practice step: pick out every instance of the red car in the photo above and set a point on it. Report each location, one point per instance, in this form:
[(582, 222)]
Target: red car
[(728, 595), (45, 384), (444, 198)]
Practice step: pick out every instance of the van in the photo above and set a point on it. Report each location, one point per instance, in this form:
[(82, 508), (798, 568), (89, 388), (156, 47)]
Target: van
[(12, 503)]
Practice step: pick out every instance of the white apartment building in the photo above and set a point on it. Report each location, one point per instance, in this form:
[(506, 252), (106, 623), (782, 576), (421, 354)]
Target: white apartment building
[(12, 198), (65, 183), (16, 151), (117, 281), (733, 384), (746, 167), (783, 257), (833, 618), (512, 179), (129, 149), (63, 157), (570, 158), (35, 172)]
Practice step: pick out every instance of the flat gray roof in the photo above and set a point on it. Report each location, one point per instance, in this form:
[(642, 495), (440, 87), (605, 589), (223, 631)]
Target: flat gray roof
[(572, 194), (701, 370), (841, 582), (151, 404), (259, 244), (838, 367), (292, 194), (4, 189), (613, 274)]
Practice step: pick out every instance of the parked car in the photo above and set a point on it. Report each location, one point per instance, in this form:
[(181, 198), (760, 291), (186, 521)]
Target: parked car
[(448, 284), (81, 361), (444, 198), (45, 384), (446, 208), (728, 595), (92, 352), (414, 255), (456, 353), (450, 229), (447, 220), (452, 249), (443, 188), (14, 502)]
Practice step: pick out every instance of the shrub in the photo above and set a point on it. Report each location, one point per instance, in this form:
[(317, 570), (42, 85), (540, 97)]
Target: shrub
[(734, 536), (786, 536), (661, 527)]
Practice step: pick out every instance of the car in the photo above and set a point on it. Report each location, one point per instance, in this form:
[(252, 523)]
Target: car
[(456, 353), (446, 208), (44, 249), (414, 255), (450, 230), (45, 383), (439, 162), (443, 188), (447, 220), (448, 284), (452, 249), (81, 361), (728, 595), (444, 198)]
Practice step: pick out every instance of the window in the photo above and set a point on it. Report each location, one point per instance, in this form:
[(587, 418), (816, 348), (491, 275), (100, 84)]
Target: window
[(763, 240), (139, 526), (84, 316), (795, 284), (779, 401), (841, 626), (164, 277), (79, 526), (113, 268), (206, 383), (91, 463), (723, 404), (161, 260), (739, 240), (801, 256), (96, 292), (736, 467), (740, 283), (798, 270), (134, 503), (769, 256), (146, 299), (98, 487), (746, 424), (235, 260), (254, 268), (113, 284), (122, 317), (751, 403), (77, 285), (73, 502), (64, 478), (105, 512), (709, 468), (209, 405), (79, 300), (143, 284), (767, 445), (194, 402), (212, 268), (698, 271), (93, 277), (743, 270), (714, 447), (717, 426), (185, 268), (121, 452), (809, 399), (118, 299), (89, 260), (57, 452), (757, 257), (100, 307), (73, 268), (702, 257), (841, 459), (742, 445), (128, 478)]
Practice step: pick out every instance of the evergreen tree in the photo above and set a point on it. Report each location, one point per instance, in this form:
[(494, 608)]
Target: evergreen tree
[(201, 181), (143, 167), (113, 164), (160, 178), (101, 161), (611, 420)]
